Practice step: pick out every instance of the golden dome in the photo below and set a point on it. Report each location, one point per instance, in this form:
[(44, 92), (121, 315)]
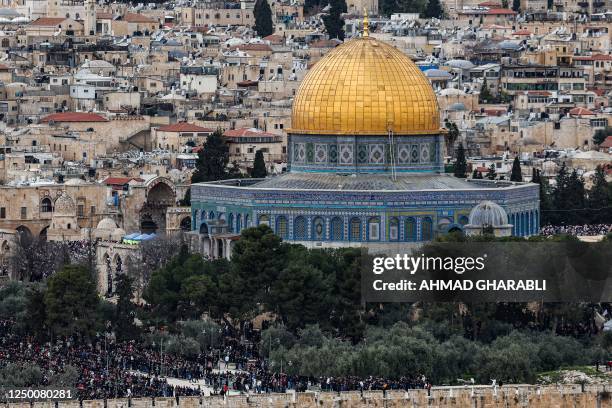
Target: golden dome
[(365, 87)]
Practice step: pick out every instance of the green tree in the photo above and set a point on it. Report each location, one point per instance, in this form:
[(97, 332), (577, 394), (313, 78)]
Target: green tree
[(516, 174), (599, 198), (300, 295), (259, 166), (601, 134), (212, 160), (516, 5), (485, 94), (334, 23), (461, 163), (433, 9), (71, 303), (451, 136), (125, 311), (388, 7), (257, 259), (186, 201), (492, 174), (263, 18)]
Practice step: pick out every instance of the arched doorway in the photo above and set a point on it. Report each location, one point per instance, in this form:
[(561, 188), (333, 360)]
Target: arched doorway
[(24, 235), (186, 224), (109, 275), (43, 233), (160, 196), (204, 229), (147, 225)]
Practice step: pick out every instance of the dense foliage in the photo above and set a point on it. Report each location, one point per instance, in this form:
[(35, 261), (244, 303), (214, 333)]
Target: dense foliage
[(569, 202)]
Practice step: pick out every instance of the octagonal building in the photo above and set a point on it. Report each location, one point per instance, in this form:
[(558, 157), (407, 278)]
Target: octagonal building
[(365, 165)]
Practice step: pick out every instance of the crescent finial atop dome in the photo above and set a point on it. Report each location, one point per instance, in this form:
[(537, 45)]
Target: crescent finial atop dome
[(366, 23)]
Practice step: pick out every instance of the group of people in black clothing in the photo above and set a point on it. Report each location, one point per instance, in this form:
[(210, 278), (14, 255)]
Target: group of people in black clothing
[(577, 230), (109, 369)]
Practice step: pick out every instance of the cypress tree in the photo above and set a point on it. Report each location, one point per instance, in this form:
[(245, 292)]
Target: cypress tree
[(461, 163), (433, 9), (485, 94), (334, 23), (516, 174), (259, 166), (263, 18), (516, 5), (212, 160)]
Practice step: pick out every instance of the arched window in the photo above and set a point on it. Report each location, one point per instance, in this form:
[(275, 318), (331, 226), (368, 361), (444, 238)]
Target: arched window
[(374, 229), (410, 229), (299, 228), (264, 220), (318, 229), (246, 221), (427, 229), (211, 215), (393, 229), (355, 229), (46, 206), (230, 222), (337, 229), (282, 229), (238, 223)]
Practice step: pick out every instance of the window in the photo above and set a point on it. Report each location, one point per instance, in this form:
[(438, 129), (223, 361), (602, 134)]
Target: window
[(80, 210), (374, 229), (3, 212), (281, 227), (24, 213), (45, 205), (92, 210), (264, 220), (299, 228), (337, 229), (318, 229), (393, 229), (410, 229), (427, 229), (355, 230)]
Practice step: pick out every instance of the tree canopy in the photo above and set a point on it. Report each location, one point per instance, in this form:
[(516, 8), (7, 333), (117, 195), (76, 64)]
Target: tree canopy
[(263, 18)]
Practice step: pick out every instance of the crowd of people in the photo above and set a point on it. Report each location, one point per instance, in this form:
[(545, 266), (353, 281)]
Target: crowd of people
[(109, 369), (577, 230)]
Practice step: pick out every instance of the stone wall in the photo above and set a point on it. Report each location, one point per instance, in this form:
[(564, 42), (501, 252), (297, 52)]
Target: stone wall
[(478, 397)]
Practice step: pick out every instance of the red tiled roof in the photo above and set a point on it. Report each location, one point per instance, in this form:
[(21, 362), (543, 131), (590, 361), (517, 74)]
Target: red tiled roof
[(74, 117), (137, 18), (501, 11), (47, 21), (183, 127), (490, 4), (4, 67), (119, 181), (607, 142), (246, 132), (580, 112), (274, 39), (252, 47), (247, 83)]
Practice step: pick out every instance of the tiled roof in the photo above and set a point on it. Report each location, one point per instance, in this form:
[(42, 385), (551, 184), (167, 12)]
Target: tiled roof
[(183, 127), (501, 11), (607, 142), (47, 21), (580, 112), (74, 117)]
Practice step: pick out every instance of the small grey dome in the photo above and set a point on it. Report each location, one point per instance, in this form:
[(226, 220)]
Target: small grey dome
[(487, 213)]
